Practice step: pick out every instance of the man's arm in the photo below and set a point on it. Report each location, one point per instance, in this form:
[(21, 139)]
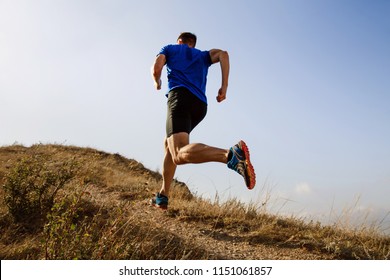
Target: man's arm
[(222, 57), (157, 69)]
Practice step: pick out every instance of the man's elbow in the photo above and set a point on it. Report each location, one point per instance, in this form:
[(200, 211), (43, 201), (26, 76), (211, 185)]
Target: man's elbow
[(225, 53)]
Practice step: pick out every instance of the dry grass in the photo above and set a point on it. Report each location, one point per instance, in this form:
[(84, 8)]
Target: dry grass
[(101, 214)]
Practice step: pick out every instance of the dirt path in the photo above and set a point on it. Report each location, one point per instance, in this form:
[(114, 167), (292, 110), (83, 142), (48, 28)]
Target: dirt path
[(222, 243)]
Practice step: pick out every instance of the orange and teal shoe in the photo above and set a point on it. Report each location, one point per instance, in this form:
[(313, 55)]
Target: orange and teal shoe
[(160, 201), (239, 161)]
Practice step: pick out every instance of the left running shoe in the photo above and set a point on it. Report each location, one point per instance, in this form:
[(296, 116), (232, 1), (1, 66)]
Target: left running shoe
[(240, 162), (160, 201)]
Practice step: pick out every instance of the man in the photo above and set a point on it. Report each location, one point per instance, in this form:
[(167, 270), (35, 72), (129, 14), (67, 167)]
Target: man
[(187, 69)]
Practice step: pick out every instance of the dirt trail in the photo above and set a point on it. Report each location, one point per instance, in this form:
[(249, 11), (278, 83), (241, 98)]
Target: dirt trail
[(219, 242), (224, 243)]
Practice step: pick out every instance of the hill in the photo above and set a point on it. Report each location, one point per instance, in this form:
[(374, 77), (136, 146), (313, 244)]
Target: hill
[(65, 202)]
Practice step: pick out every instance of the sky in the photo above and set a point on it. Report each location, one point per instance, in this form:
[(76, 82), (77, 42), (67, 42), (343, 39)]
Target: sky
[(309, 92)]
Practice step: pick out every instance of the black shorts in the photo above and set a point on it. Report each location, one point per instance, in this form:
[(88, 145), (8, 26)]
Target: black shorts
[(185, 111)]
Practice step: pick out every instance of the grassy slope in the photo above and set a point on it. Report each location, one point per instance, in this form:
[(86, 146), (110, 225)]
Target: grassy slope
[(102, 213)]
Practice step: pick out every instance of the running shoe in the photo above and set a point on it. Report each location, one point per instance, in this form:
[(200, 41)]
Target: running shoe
[(240, 162), (160, 201)]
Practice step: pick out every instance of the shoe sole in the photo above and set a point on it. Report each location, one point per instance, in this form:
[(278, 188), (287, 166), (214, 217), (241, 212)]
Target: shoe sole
[(161, 207), (250, 171)]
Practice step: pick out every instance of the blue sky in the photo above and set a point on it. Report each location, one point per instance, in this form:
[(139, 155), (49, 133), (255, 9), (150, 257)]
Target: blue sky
[(309, 92)]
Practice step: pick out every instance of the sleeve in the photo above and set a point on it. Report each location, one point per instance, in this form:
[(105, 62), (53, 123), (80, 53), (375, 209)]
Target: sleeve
[(164, 50), (207, 58)]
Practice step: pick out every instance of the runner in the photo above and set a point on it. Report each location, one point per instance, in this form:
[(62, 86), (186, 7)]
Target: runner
[(187, 69)]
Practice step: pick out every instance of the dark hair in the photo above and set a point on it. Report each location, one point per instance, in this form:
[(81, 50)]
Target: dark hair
[(188, 38)]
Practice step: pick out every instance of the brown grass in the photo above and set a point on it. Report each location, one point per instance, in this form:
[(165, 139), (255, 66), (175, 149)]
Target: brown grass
[(102, 213)]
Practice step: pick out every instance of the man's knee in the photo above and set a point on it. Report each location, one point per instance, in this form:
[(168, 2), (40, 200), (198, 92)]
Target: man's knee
[(176, 156), (173, 152), (178, 159), (175, 144)]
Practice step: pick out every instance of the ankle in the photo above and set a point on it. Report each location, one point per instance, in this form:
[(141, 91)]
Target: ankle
[(230, 155), (163, 193)]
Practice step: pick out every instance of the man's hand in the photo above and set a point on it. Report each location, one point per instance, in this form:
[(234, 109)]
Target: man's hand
[(221, 94)]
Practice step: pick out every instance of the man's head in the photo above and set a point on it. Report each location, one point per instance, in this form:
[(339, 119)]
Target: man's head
[(187, 38)]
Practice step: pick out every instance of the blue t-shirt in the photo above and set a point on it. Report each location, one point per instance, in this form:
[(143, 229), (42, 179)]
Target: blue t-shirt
[(187, 67)]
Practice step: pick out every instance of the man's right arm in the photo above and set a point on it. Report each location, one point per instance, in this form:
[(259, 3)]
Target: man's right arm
[(222, 57), (157, 69)]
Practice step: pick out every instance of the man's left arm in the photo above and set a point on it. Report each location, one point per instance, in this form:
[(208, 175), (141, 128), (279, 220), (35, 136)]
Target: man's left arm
[(157, 69)]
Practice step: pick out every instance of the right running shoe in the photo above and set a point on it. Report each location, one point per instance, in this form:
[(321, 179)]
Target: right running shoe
[(239, 161), (160, 201)]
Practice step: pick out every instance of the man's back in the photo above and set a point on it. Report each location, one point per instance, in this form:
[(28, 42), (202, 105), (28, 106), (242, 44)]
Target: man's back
[(187, 67)]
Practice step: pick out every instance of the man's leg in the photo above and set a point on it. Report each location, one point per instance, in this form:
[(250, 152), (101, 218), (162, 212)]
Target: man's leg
[(168, 172), (237, 157), (183, 152), (179, 151)]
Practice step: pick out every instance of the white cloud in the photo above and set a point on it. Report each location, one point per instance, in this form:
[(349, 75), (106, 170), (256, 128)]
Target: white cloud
[(303, 188)]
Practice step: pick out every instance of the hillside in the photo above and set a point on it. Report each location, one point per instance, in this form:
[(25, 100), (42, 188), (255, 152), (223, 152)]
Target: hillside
[(64, 202)]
